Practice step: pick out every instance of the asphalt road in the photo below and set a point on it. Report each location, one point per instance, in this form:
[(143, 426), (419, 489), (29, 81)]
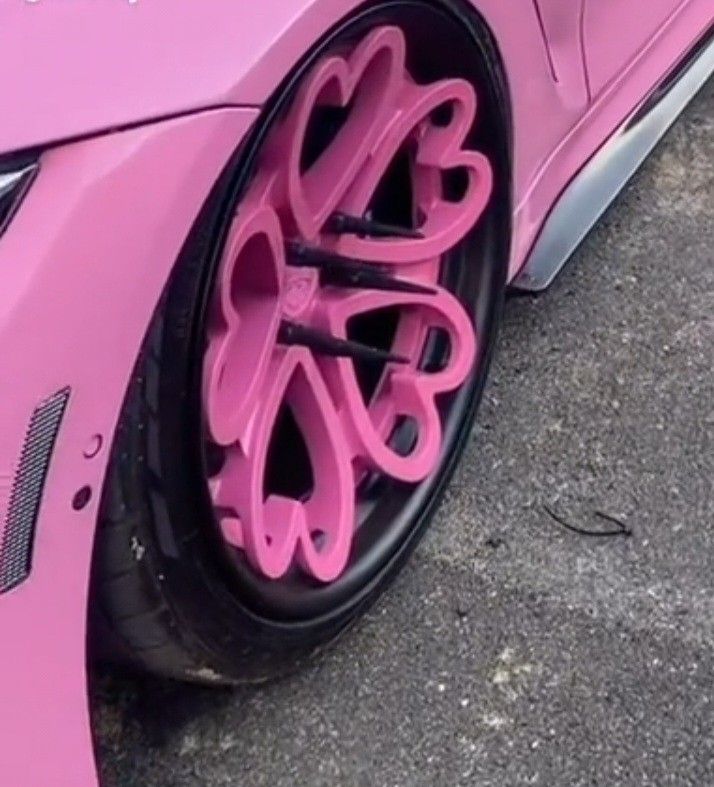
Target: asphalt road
[(512, 651)]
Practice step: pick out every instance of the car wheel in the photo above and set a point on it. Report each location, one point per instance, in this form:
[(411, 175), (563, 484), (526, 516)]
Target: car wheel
[(312, 371)]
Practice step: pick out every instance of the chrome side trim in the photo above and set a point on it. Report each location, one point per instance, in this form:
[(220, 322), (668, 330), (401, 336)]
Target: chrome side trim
[(9, 180), (13, 187), (598, 183)]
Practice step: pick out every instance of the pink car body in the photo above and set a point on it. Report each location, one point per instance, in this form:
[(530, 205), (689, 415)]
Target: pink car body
[(136, 108)]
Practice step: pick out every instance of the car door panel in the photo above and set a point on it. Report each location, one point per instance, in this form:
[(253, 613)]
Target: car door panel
[(562, 30), (616, 31)]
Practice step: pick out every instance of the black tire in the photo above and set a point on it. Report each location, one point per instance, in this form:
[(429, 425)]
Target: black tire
[(164, 598)]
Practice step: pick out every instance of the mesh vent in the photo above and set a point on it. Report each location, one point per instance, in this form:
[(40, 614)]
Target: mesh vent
[(26, 494)]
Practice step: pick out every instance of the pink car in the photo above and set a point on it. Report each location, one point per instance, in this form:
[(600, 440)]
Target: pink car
[(253, 257)]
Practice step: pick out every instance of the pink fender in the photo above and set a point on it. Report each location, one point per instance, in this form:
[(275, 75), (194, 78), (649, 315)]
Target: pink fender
[(69, 295), (89, 66)]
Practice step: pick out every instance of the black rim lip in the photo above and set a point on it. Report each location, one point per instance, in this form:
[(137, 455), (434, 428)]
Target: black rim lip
[(250, 590)]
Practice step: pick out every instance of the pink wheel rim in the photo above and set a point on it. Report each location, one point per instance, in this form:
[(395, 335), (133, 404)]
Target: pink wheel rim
[(257, 361)]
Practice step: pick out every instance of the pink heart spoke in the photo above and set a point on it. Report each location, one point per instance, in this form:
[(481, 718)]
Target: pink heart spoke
[(405, 391), (438, 150), (277, 531), (246, 318), (369, 81)]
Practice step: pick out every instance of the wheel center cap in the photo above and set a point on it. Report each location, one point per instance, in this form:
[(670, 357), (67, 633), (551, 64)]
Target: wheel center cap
[(299, 291)]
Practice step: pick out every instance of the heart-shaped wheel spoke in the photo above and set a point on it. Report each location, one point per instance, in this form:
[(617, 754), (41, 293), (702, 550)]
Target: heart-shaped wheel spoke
[(314, 527), (405, 391), (245, 321), (332, 341)]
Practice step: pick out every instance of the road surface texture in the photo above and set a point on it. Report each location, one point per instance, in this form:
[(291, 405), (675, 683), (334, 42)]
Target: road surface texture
[(513, 651)]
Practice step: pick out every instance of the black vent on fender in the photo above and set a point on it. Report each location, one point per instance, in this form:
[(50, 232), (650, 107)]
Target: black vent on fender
[(26, 493)]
